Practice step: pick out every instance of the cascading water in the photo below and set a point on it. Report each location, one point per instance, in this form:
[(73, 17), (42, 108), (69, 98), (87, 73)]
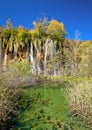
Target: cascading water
[(53, 54), (5, 60), (51, 45), (50, 53), (38, 68), (45, 56), (33, 69)]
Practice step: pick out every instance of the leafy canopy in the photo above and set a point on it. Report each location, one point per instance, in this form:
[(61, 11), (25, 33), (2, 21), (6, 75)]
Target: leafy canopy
[(56, 29)]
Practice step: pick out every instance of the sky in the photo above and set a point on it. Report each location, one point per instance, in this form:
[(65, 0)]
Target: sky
[(75, 14)]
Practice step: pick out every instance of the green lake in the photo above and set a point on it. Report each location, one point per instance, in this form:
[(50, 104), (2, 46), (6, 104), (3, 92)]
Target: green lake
[(44, 107)]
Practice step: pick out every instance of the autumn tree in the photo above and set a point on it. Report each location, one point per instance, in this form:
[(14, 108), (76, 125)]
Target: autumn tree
[(41, 26), (56, 30)]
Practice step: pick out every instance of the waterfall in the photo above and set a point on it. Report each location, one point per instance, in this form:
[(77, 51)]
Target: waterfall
[(5, 59), (53, 54), (5, 62), (38, 67), (45, 56), (51, 49), (33, 69), (49, 55)]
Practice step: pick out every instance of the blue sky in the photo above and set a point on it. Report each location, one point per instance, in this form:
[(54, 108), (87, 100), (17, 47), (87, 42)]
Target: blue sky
[(75, 14)]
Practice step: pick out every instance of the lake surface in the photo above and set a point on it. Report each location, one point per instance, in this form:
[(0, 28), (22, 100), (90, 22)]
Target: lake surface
[(44, 107)]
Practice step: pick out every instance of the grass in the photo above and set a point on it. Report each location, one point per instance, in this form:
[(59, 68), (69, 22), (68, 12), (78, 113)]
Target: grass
[(80, 100)]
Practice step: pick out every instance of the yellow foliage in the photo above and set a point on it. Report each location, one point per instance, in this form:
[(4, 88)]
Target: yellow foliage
[(21, 31), (34, 33), (55, 28)]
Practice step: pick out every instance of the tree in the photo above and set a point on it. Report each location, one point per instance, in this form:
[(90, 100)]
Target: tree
[(41, 26), (56, 30)]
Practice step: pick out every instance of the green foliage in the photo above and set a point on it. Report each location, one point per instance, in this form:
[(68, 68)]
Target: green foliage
[(34, 34), (26, 37), (1, 31), (7, 34)]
